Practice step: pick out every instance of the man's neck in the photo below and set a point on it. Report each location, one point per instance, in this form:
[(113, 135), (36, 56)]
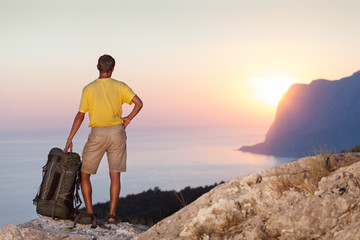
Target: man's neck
[(105, 75)]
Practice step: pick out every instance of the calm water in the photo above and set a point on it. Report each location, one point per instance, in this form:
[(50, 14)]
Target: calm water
[(166, 158)]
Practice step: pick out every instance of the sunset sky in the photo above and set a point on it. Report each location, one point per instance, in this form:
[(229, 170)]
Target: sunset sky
[(193, 63)]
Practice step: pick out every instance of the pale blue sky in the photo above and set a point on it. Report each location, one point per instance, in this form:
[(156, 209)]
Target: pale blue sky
[(190, 61)]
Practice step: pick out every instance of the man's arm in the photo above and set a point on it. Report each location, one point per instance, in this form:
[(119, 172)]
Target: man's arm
[(79, 118), (138, 105)]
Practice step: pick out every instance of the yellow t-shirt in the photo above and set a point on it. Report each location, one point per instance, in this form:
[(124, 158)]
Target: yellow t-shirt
[(103, 98)]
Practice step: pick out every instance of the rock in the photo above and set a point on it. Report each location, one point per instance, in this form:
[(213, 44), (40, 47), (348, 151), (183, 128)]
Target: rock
[(312, 198), (12, 232), (313, 118), (46, 228)]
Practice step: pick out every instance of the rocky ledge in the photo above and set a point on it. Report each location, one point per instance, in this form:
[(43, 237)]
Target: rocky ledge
[(46, 228), (312, 198)]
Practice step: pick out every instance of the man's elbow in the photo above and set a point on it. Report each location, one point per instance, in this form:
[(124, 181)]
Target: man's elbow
[(138, 102), (141, 104)]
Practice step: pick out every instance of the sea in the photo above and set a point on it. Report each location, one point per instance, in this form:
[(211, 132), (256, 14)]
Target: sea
[(167, 158)]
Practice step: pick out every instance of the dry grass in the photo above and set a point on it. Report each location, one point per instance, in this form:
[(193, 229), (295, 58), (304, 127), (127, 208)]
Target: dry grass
[(179, 196), (323, 150), (318, 167)]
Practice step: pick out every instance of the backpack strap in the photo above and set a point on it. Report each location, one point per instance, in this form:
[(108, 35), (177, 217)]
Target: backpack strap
[(86, 218), (77, 198), (53, 202), (36, 199)]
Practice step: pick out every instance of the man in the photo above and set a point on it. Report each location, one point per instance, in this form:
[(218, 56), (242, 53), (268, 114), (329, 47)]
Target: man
[(103, 99)]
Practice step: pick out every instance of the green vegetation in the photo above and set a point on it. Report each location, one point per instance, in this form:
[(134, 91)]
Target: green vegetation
[(354, 149), (153, 205)]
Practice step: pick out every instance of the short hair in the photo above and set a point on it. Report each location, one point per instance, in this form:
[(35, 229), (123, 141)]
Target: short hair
[(106, 63)]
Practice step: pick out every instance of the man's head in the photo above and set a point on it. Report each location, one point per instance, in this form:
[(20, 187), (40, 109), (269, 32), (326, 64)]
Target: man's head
[(106, 64)]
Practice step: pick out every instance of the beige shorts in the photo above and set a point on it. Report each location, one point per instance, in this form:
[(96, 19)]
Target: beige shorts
[(111, 140)]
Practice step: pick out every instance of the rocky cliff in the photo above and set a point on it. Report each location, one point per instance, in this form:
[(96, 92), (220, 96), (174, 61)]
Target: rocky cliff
[(312, 198), (313, 117)]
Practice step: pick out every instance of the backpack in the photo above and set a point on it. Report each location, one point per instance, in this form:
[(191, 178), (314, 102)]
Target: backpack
[(58, 194)]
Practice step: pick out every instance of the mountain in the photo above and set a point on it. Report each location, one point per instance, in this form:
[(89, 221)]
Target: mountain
[(311, 118)]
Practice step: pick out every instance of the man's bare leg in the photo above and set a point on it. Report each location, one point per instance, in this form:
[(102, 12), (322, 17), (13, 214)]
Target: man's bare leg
[(115, 187), (86, 190)]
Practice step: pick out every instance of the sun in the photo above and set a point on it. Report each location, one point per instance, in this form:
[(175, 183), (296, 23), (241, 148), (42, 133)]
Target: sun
[(270, 89)]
